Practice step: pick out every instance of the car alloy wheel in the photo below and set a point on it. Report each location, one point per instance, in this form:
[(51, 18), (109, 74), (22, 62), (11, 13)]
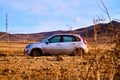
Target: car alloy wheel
[(36, 52)]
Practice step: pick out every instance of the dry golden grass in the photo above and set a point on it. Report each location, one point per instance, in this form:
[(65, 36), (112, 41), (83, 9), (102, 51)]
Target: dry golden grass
[(14, 65), (12, 48)]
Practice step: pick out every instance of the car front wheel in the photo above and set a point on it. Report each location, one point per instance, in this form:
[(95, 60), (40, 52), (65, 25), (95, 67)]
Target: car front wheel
[(36, 52)]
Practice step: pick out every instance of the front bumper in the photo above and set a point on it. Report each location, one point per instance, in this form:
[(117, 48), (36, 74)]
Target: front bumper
[(26, 51)]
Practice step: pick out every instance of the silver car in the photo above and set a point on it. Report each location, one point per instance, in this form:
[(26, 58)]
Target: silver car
[(71, 44)]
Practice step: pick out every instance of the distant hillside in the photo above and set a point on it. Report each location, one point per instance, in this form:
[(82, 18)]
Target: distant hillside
[(102, 29)]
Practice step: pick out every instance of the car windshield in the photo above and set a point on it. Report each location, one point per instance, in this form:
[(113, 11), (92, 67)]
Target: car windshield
[(44, 40)]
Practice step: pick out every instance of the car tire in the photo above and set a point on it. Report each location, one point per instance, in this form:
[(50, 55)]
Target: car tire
[(78, 52), (36, 52)]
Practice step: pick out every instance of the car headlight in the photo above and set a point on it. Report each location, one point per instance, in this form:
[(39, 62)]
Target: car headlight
[(28, 46)]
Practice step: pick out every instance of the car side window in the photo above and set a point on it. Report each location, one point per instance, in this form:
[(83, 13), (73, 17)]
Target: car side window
[(68, 39), (55, 39)]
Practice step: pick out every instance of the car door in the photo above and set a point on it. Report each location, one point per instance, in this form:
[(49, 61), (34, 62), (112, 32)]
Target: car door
[(53, 45), (68, 44)]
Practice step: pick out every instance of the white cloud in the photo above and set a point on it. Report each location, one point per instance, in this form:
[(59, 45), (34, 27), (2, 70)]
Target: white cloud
[(16, 5), (77, 20), (63, 7), (36, 7), (75, 3)]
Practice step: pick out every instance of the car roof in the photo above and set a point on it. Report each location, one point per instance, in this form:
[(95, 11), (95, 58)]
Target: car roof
[(66, 34)]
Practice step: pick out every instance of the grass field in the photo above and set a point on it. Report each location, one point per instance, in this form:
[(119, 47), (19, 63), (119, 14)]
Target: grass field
[(98, 64)]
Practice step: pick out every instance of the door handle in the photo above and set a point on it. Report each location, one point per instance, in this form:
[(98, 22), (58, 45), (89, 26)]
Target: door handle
[(58, 44), (73, 43)]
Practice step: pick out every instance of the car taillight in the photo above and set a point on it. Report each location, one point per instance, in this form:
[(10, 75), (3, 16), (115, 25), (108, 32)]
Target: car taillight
[(85, 42)]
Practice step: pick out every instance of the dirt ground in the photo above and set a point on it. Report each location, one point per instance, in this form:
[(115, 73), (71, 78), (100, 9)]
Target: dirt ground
[(14, 65), (42, 68), (53, 68)]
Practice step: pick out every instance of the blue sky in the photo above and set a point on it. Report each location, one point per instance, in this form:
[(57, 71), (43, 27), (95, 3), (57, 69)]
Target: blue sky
[(33, 16)]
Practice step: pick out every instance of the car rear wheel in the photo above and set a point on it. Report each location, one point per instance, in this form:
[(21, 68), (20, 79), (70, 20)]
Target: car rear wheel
[(78, 52), (36, 52)]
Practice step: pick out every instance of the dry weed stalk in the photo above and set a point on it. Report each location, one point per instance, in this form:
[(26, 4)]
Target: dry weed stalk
[(116, 50), (96, 58)]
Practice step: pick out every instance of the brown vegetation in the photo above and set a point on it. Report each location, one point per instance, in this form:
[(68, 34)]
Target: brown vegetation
[(14, 65)]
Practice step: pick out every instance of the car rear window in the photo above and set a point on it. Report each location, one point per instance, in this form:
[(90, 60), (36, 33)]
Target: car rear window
[(68, 39)]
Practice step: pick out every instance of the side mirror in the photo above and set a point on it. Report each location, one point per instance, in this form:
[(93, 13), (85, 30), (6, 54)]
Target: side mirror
[(46, 42)]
